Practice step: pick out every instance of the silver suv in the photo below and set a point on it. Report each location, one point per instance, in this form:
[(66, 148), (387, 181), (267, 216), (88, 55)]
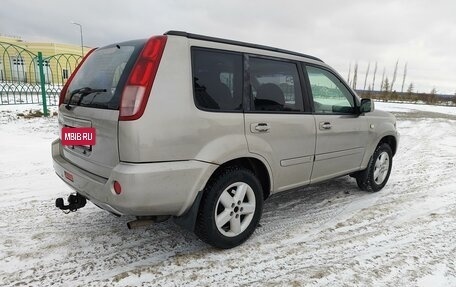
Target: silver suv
[(205, 129)]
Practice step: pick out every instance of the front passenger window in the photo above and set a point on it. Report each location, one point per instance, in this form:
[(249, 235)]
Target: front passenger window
[(329, 94)]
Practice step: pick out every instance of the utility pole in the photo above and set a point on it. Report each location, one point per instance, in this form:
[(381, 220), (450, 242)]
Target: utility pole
[(82, 39)]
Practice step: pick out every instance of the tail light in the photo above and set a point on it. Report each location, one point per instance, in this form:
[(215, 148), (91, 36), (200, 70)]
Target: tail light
[(117, 187), (65, 87), (139, 84)]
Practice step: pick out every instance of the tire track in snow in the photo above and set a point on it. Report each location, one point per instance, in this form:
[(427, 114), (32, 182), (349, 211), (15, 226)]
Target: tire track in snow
[(319, 235)]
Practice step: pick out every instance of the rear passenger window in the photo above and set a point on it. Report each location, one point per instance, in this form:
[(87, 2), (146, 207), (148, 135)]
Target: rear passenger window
[(217, 79), (275, 85)]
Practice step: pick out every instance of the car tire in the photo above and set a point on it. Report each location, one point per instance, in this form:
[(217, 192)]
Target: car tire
[(230, 209), (377, 173)]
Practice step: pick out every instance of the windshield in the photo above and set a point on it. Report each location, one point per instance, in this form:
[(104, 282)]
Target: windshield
[(105, 70)]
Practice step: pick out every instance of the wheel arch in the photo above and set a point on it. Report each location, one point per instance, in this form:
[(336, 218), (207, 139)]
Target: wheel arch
[(257, 166), (391, 141), (388, 138)]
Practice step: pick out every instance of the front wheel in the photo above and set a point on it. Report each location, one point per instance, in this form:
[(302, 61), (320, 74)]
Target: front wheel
[(375, 176), (230, 209)]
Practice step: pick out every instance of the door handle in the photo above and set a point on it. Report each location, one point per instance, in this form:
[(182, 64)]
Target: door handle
[(325, 125), (260, 127)]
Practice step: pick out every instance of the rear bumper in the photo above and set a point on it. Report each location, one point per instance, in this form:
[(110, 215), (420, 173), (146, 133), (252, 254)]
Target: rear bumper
[(165, 188)]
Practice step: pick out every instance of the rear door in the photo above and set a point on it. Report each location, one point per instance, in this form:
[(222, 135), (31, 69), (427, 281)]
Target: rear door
[(105, 69), (341, 133), (277, 126)]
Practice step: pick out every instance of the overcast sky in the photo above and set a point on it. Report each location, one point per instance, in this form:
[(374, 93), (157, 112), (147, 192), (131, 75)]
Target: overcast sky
[(420, 32)]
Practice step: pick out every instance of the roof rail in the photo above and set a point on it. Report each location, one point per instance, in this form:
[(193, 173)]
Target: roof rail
[(238, 43)]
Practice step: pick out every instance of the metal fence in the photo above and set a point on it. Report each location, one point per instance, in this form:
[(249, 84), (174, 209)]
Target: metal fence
[(29, 78)]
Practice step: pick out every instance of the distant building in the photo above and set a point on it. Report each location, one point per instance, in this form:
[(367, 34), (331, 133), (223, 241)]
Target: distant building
[(18, 60)]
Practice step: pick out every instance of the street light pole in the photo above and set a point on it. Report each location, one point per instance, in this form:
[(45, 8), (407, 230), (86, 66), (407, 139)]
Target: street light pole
[(82, 41)]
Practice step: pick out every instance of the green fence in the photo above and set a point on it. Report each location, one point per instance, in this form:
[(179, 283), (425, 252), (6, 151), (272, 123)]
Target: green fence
[(29, 78)]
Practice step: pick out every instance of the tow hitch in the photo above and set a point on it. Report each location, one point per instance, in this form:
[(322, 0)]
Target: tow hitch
[(75, 201)]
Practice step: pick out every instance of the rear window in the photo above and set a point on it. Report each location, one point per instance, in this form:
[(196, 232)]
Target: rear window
[(107, 68)]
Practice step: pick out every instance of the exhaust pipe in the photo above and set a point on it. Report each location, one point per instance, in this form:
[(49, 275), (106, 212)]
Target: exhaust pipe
[(142, 221), (139, 223)]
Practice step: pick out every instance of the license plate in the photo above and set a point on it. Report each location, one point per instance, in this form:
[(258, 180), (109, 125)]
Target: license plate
[(78, 136)]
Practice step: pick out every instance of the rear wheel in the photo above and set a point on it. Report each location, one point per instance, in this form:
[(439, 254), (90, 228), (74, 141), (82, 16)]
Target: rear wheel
[(377, 173), (230, 209)]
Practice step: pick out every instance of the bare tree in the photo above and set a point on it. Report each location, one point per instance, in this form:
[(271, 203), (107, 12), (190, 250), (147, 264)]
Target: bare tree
[(367, 74), (355, 76), (403, 78), (383, 79), (432, 97), (349, 72), (394, 76), (373, 81)]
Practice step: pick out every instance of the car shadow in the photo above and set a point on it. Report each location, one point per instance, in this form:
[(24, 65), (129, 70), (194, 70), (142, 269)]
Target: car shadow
[(118, 246)]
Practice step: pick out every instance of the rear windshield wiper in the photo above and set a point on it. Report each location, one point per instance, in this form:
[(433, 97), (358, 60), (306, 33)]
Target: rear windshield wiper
[(83, 92)]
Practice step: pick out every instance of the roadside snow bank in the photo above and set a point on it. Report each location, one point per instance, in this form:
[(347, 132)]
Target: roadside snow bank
[(403, 107)]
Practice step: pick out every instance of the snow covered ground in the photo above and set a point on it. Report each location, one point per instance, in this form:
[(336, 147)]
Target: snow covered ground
[(407, 107), (329, 234)]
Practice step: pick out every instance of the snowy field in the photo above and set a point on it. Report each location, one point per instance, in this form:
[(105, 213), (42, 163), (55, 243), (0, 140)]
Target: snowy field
[(330, 234)]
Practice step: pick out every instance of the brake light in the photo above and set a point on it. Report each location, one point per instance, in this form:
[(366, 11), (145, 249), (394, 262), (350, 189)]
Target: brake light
[(139, 84), (65, 87)]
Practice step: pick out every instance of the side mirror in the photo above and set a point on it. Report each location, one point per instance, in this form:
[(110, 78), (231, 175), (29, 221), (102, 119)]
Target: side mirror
[(367, 105)]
